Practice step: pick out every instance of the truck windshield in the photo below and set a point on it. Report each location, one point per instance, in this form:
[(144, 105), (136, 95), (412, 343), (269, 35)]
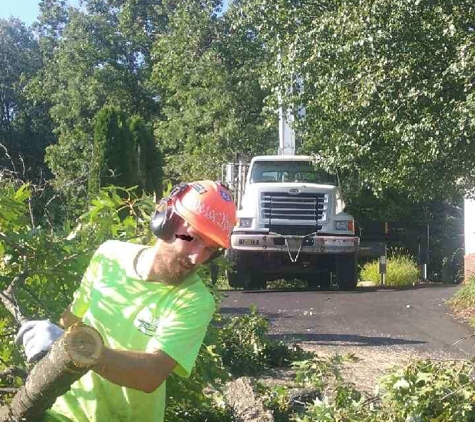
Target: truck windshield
[(289, 171)]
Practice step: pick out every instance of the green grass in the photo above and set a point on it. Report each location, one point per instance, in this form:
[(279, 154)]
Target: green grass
[(465, 297), (294, 283), (401, 271)]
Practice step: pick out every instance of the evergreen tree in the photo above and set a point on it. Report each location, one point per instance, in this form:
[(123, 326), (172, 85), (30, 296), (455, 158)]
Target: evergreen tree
[(149, 157), (114, 159)]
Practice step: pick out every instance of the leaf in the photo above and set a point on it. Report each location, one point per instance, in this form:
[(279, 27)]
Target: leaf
[(402, 384), (424, 377), (23, 193)]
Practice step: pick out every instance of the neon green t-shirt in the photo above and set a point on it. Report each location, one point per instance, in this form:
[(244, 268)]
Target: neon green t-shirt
[(132, 314)]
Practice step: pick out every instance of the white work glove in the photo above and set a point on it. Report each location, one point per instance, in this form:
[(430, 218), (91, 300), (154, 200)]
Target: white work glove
[(37, 338)]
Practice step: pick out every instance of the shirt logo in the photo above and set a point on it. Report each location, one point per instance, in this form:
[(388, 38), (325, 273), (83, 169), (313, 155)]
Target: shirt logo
[(149, 327)]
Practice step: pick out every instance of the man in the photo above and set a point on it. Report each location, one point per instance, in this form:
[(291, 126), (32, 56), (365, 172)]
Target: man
[(149, 305)]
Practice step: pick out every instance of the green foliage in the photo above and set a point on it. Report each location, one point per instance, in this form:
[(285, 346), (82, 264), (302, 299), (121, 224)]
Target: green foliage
[(204, 92), (51, 262), (401, 270), (282, 283), (208, 71), (444, 220), (149, 157), (93, 58), (114, 158), (242, 343), (233, 347), (326, 411), (465, 297), (386, 87), (421, 391), (316, 371), (25, 127), (430, 391), (245, 348), (198, 398), (124, 154), (276, 399)]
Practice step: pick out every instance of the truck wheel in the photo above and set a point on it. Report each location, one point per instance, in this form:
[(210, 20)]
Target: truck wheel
[(239, 275), (346, 271)]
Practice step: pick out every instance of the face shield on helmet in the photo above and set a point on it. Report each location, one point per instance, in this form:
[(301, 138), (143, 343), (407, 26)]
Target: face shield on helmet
[(209, 208)]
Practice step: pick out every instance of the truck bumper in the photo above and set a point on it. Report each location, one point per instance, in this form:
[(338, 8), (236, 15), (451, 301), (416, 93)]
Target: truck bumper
[(280, 243)]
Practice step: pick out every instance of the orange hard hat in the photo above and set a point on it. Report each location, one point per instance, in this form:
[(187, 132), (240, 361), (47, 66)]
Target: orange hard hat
[(209, 208)]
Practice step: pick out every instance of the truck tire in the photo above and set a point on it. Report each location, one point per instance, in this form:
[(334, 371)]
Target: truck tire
[(239, 275), (346, 271)]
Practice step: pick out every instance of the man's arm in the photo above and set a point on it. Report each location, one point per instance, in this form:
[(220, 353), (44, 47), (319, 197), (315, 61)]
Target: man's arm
[(138, 370)]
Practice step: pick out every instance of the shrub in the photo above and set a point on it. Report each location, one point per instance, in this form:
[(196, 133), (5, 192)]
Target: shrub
[(246, 349), (402, 270), (421, 391), (430, 391)]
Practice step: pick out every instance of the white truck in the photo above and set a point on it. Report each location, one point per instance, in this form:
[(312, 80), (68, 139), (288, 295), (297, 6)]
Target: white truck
[(291, 223)]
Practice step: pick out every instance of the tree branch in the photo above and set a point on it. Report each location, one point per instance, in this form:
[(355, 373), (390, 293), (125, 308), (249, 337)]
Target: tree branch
[(14, 371), (9, 301), (70, 357)]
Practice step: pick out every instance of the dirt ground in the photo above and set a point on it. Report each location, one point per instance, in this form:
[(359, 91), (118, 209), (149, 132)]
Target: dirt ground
[(466, 315), (371, 364)]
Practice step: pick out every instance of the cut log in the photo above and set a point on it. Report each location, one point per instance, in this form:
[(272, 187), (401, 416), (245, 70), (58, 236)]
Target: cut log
[(70, 357), (245, 404)]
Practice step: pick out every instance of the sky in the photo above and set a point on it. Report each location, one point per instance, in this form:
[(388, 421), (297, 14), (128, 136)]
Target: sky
[(27, 10)]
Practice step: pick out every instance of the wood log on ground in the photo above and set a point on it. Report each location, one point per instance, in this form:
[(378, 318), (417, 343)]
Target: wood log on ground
[(70, 357), (245, 404)]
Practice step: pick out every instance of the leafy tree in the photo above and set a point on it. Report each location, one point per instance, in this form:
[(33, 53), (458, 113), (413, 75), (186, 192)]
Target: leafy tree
[(208, 73), (387, 87), (53, 18), (25, 129), (101, 57)]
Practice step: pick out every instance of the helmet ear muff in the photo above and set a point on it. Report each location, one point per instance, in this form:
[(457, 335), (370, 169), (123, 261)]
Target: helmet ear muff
[(164, 220)]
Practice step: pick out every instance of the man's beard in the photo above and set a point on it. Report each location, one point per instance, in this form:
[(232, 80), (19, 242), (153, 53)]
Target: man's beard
[(169, 268)]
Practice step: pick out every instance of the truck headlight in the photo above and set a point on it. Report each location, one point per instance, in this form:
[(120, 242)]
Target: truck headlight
[(245, 222), (343, 225)]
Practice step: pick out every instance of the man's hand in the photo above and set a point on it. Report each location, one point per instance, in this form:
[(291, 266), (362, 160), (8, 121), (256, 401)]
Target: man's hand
[(37, 338)]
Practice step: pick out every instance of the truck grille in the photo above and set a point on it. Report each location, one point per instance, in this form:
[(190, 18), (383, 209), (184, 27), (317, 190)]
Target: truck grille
[(304, 209)]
